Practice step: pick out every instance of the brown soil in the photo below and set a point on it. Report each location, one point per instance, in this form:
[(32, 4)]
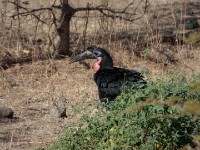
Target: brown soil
[(30, 89), (35, 87)]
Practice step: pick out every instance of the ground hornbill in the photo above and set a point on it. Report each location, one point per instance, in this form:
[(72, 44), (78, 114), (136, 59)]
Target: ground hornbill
[(110, 80)]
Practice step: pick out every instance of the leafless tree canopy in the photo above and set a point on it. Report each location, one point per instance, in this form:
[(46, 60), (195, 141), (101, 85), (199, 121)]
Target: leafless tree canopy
[(128, 13), (59, 28)]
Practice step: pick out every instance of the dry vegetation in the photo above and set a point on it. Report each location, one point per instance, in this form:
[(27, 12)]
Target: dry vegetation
[(30, 88)]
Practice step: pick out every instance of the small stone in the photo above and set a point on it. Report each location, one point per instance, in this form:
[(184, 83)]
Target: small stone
[(6, 112), (59, 108)]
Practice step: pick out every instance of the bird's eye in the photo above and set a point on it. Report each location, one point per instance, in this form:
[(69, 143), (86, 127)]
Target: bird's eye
[(98, 54)]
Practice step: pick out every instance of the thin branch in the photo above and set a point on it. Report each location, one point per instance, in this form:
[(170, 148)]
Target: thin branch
[(54, 19), (19, 21), (120, 17), (103, 8), (85, 30), (29, 12), (106, 11), (115, 13)]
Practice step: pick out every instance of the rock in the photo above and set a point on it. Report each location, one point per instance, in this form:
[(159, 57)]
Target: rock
[(59, 108), (6, 112)]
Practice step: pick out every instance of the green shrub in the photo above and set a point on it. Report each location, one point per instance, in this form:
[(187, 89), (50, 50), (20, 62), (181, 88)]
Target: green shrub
[(164, 115)]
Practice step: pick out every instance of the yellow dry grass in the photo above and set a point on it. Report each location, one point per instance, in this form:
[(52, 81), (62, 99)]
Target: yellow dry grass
[(39, 84), (30, 89)]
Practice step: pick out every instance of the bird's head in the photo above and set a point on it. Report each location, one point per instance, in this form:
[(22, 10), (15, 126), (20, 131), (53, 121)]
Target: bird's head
[(103, 58)]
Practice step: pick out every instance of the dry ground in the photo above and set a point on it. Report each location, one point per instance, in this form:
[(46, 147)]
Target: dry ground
[(30, 89)]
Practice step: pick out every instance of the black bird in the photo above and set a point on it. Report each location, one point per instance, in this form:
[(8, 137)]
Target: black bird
[(110, 80)]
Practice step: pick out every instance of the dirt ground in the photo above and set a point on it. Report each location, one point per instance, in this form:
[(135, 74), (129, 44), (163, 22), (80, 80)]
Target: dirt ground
[(30, 89)]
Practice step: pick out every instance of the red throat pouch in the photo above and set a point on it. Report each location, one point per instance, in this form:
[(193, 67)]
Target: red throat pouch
[(97, 64)]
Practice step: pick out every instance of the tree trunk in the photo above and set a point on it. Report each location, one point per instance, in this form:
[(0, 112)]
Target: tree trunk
[(64, 29)]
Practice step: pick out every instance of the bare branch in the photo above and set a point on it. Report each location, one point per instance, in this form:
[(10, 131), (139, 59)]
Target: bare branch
[(54, 19), (106, 11), (85, 30), (29, 12), (120, 17), (116, 13)]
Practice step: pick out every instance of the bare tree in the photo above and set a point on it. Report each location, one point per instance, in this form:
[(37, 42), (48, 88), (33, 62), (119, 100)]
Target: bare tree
[(67, 12)]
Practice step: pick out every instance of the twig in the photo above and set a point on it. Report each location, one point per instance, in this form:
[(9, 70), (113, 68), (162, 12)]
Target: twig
[(106, 11), (11, 141), (19, 22), (111, 13), (29, 12), (85, 30)]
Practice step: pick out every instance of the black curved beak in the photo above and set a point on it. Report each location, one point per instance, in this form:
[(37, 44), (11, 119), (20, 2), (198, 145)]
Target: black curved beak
[(82, 56)]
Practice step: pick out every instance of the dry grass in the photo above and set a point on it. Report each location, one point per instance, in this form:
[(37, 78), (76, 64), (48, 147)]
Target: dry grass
[(39, 84), (30, 89), (31, 99)]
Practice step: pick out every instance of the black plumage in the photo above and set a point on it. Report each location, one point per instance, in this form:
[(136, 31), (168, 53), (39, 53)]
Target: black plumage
[(109, 80)]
